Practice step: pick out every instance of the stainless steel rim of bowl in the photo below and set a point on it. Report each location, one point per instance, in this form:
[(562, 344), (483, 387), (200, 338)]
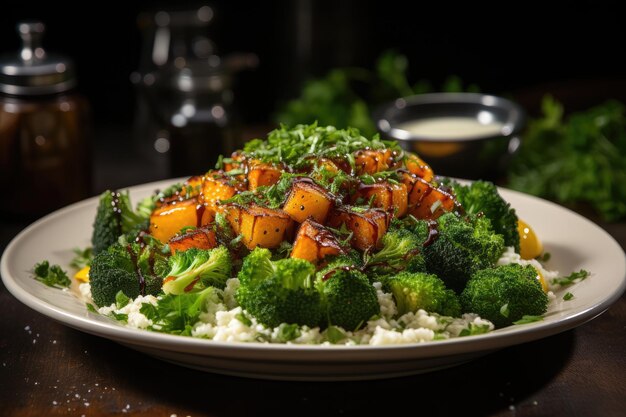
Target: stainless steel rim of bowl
[(515, 122)]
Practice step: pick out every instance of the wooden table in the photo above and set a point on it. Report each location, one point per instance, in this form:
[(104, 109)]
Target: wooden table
[(48, 369)]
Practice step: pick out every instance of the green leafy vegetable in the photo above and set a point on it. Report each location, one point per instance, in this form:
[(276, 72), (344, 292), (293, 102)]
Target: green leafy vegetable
[(568, 296), (176, 314), (341, 97), (576, 160), (571, 278), (474, 329), (51, 275), (528, 319), (82, 258)]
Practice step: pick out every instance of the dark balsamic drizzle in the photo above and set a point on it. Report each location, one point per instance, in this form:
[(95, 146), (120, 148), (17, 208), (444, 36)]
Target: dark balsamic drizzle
[(433, 233), (140, 277)]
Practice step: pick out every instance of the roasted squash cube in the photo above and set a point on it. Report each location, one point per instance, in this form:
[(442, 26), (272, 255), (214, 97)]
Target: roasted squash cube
[(191, 188), (170, 218), (201, 238), (216, 186), (262, 174), (236, 161), (418, 167), (259, 226), (314, 242), (425, 200), (385, 195), (307, 199), (368, 226), (369, 161)]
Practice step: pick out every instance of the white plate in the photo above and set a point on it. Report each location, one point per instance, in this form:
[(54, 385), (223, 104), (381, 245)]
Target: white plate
[(573, 241)]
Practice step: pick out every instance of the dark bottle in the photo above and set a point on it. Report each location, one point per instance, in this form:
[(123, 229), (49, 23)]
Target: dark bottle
[(44, 130)]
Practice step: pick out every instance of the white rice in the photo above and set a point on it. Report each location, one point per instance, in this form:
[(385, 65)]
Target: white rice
[(224, 321)]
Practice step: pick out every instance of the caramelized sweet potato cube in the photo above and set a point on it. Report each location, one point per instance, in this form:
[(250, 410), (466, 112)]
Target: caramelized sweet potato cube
[(307, 199), (168, 219), (314, 242), (262, 174), (367, 225), (385, 195), (191, 188), (418, 167), (425, 200), (236, 160), (369, 161), (259, 226), (201, 238), (216, 186)]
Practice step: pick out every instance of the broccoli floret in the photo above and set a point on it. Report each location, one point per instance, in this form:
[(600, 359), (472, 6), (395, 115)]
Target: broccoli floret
[(124, 268), (276, 292), (349, 299), (399, 246), (196, 269), (417, 263), (115, 217), (481, 196), (414, 291), (462, 246), (256, 267), (504, 294)]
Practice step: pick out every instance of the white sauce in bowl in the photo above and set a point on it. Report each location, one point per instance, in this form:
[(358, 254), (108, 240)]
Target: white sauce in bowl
[(452, 128)]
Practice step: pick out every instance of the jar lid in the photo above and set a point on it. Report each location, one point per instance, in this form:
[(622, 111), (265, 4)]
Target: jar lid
[(34, 71)]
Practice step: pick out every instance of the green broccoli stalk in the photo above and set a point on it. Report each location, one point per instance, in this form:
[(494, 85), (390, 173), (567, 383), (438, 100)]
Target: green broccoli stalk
[(115, 217), (414, 291), (276, 292), (196, 269), (483, 197), (504, 294), (460, 247), (348, 298), (128, 268)]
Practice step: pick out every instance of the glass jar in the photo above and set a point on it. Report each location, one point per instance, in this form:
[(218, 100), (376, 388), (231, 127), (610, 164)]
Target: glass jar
[(44, 130)]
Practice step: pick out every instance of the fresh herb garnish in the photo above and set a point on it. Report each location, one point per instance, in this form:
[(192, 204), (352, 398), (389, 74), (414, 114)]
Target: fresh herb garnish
[(121, 300), (528, 319), (82, 258), (545, 257), (571, 278), (334, 334), (288, 332), (176, 314), (474, 329), (51, 275), (244, 319), (302, 145), (568, 296)]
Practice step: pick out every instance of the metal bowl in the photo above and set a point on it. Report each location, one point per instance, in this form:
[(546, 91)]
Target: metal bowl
[(479, 156)]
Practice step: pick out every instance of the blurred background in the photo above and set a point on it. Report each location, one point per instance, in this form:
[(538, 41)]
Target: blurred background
[(242, 63)]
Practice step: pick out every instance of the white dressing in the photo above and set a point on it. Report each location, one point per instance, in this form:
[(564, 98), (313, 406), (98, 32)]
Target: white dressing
[(451, 128)]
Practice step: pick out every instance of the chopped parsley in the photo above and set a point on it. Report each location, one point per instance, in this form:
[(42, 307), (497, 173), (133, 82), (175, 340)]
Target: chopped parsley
[(528, 319), (571, 278), (51, 275)]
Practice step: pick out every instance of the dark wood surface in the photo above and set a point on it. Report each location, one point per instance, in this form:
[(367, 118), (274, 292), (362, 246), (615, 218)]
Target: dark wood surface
[(48, 369)]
